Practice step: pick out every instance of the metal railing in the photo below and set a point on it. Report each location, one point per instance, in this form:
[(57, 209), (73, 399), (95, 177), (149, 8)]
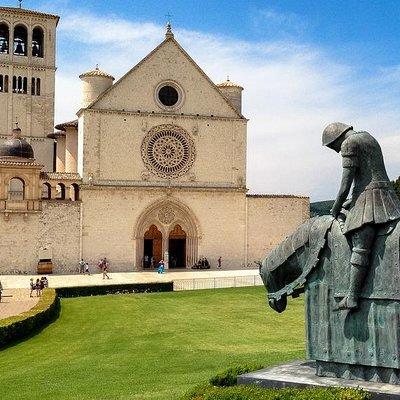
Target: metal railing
[(217, 282)]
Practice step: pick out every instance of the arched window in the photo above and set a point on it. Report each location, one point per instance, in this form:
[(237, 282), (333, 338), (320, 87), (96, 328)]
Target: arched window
[(1, 83), (19, 84), (33, 86), (15, 88), (37, 86), (46, 191), (5, 88), (37, 42), (74, 192), (20, 40), (4, 38), (16, 189), (60, 191), (25, 85)]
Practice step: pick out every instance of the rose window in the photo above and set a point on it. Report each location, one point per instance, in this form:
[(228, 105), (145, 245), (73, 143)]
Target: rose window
[(168, 151)]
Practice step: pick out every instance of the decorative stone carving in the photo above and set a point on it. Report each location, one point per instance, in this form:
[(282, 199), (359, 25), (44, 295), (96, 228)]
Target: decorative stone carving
[(192, 177), (168, 151), (166, 215), (145, 175)]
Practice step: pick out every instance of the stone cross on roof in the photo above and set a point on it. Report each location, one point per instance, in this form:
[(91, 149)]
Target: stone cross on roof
[(169, 26)]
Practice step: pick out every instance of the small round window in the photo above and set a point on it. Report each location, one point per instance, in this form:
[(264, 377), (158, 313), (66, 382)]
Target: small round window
[(168, 96)]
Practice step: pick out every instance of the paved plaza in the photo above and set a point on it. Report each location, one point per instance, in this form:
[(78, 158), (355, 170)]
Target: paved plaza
[(22, 281), (18, 302)]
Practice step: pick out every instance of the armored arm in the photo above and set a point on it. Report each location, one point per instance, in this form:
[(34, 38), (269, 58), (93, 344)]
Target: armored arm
[(347, 180)]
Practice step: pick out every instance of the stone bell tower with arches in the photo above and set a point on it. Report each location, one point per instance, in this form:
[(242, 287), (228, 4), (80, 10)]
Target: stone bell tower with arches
[(27, 77)]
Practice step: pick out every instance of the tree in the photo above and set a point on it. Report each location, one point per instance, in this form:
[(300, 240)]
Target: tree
[(396, 185)]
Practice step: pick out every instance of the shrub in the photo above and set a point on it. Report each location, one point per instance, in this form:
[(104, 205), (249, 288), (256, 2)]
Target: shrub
[(229, 376), (28, 323), (80, 291), (247, 392)]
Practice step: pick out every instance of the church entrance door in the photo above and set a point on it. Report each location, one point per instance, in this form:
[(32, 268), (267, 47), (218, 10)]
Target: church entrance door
[(152, 253), (177, 248)]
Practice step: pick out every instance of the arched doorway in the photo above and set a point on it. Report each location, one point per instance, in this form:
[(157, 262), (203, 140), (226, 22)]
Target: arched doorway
[(152, 249), (174, 220), (177, 248)]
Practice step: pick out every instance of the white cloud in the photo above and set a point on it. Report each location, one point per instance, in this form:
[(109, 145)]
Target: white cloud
[(291, 92)]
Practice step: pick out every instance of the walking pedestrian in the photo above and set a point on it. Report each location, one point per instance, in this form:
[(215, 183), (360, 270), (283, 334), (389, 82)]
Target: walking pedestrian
[(105, 268), (219, 262), (87, 272)]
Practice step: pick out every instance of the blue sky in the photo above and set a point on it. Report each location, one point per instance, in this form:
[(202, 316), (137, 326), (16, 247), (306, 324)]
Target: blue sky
[(303, 64)]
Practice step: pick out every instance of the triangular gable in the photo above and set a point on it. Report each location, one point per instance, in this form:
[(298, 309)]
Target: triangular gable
[(135, 90)]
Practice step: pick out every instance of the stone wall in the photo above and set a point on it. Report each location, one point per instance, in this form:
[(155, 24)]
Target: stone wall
[(271, 218), (22, 236), (110, 147), (59, 231), (111, 217)]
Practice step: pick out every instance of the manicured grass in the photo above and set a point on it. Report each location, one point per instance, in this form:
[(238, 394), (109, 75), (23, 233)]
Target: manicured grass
[(149, 346)]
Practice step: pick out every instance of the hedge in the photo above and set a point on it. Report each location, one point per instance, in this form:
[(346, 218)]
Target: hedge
[(251, 392), (21, 326), (223, 386), (79, 291)]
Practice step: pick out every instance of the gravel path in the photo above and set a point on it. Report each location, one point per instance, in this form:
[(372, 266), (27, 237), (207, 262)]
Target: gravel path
[(18, 303)]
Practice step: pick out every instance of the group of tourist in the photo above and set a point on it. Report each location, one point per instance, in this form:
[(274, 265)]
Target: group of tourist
[(84, 267), (38, 286), (103, 266), (203, 263)]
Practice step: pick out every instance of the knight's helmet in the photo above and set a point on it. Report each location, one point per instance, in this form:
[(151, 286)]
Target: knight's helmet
[(334, 131)]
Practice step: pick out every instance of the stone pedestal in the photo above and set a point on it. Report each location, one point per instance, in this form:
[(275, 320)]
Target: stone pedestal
[(302, 374)]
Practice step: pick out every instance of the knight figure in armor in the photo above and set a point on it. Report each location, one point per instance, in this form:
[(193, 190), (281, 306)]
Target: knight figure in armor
[(373, 201)]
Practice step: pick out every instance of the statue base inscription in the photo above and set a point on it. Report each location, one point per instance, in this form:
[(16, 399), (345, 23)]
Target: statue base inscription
[(302, 374)]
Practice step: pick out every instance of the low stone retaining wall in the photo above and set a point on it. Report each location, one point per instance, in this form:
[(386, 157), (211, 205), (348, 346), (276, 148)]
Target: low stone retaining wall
[(26, 324)]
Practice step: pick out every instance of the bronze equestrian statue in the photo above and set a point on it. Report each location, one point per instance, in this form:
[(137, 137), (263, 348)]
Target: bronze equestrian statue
[(348, 266)]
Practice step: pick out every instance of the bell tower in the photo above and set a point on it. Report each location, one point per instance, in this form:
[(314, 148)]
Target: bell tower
[(27, 75)]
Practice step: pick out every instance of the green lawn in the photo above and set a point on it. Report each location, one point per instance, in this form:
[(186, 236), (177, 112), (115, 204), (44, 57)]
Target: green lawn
[(149, 346)]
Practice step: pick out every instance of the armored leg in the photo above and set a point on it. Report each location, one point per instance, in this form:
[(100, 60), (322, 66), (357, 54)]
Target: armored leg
[(362, 241)]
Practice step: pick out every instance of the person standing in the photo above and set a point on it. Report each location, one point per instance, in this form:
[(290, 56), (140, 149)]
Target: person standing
[(1, 290), (81, 266), (32, 286), (219, 262), (37, 287), (161, 267)]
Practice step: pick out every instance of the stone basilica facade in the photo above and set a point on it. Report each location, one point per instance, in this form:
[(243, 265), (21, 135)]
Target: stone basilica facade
[(154, 166)]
